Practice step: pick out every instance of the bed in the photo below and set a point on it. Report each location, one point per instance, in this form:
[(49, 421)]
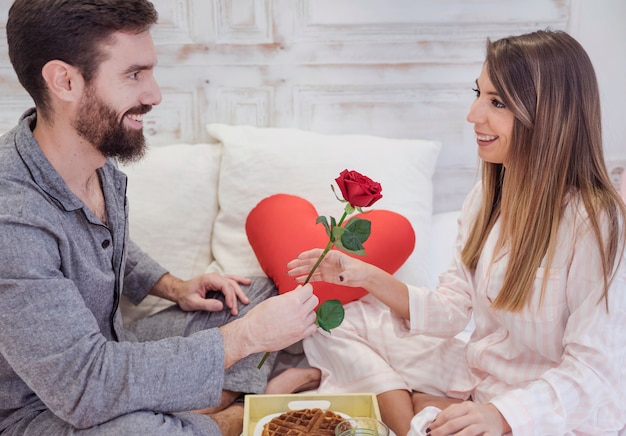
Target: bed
[(189, 203)]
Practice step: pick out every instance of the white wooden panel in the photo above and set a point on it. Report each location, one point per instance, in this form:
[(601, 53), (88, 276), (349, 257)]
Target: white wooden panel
[(184, 23), (175, 120), (400, 68), (253, 106), (12, 108), (174, 25), (401, 111), (243, 21), (362, 20), (4, 12), (14, 100)]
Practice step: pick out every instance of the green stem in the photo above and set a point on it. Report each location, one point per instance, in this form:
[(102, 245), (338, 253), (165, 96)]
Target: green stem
[(326, 250), (319, 260), (265, 356), (345, 214), (317, 263)]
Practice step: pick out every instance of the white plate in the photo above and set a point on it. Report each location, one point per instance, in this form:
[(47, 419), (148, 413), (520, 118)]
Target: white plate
[(258, 429)]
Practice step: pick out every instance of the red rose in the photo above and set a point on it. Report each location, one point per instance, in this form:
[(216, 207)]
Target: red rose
[(357, 189)]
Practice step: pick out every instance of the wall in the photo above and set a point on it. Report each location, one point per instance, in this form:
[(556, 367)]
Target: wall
[(599, 26), (401, 68)]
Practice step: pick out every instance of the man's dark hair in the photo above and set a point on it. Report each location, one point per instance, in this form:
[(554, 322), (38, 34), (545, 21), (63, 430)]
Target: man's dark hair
[(71, 31)]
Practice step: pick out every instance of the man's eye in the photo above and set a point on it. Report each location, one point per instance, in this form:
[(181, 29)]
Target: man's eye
[(134, 76)]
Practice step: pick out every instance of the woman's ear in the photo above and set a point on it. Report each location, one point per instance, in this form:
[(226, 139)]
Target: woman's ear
[(63, 80)]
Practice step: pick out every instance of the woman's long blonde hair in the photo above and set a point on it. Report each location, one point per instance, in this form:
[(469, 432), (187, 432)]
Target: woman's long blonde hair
[(547, 80)]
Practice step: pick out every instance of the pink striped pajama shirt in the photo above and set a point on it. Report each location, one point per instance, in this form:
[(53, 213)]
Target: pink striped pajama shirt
[(553, 369)]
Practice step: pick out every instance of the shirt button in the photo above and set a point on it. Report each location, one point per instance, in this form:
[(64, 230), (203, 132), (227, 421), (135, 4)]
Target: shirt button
[(106, 243)]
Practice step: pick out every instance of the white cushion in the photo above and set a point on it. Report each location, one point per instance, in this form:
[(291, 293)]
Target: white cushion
[(443, 236), (258, 162), (444, 230), (172, 194)]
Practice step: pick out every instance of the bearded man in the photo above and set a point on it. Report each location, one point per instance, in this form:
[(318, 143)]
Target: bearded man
[(67, 363)]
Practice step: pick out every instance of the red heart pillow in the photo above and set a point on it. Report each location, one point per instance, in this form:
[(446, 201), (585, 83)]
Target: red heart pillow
[(282, 226)]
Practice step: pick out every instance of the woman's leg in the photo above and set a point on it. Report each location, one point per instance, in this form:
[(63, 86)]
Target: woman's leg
[(396, 410), (421, 401)]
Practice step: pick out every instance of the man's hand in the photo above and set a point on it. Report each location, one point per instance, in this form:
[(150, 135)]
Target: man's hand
[(190, 295), (272, 325)]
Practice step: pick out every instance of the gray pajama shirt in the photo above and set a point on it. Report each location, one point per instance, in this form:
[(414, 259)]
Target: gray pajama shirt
[(67, 365)]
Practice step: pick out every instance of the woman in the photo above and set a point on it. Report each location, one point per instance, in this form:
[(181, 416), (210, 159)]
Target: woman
[(539, 260)]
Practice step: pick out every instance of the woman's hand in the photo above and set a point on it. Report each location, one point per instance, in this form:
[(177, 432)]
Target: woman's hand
[(469, 419), (337, 267), (341, 269)]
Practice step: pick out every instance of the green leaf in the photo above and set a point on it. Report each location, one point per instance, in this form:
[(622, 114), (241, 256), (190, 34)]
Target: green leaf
[(323, 220), (354, 246), (330, 314), (360, 228), (355, 233), (349, 209)]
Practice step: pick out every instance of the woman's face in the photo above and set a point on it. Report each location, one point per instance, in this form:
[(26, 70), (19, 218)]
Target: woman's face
[(493, 122)]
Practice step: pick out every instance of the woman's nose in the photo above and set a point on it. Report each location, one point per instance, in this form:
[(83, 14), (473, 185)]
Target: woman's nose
[(476, 114)]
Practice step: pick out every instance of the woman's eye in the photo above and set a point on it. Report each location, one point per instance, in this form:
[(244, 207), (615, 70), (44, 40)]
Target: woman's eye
[(498, 104), (476, 91)]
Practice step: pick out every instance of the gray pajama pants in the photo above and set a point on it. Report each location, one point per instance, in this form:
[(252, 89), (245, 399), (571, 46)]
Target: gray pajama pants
[(244, 376), (241, 377)]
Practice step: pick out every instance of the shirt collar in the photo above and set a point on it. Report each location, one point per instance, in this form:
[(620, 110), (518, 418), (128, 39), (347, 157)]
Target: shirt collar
[(44, 174)]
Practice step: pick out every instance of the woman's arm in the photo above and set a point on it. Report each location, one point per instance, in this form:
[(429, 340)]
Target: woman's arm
[(341, 269)]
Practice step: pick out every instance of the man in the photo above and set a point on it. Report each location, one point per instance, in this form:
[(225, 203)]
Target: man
[(67, 365)]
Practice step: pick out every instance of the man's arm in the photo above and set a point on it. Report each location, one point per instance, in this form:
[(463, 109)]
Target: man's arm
[(259, 330), (167, 287)]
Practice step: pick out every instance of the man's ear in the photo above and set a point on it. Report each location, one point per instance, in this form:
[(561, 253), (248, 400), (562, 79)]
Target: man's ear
[(63, 80)]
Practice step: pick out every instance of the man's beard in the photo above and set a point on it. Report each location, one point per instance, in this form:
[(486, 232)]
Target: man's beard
[(98, 124)]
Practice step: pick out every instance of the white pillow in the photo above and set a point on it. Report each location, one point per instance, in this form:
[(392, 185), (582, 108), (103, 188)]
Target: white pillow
[(172, 195), (259, 162)]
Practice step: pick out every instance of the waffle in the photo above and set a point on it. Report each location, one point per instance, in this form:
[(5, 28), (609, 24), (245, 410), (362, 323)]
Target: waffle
[(312, 422)]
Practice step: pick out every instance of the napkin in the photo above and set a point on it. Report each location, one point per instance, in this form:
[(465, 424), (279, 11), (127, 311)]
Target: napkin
[(422, 420)]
